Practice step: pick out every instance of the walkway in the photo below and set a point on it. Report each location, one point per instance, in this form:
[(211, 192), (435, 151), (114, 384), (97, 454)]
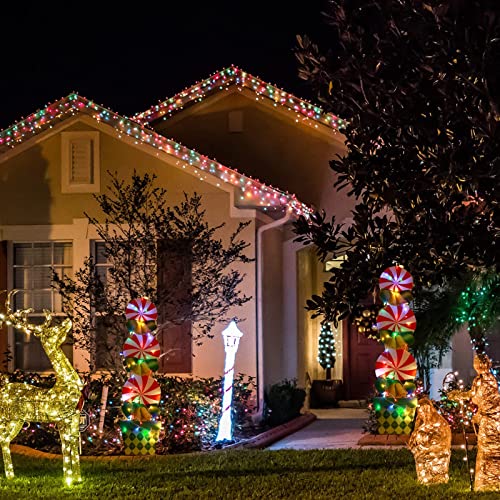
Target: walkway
[(335, 428)]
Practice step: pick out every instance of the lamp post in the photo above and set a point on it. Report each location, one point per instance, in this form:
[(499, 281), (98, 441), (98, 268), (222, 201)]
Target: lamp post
[(231, 336)]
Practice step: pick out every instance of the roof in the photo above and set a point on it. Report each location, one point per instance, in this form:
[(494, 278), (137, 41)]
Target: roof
[(251, 190), (303, 111)]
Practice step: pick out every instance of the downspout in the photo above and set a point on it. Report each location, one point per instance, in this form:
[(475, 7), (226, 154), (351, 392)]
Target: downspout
[(260, 320)]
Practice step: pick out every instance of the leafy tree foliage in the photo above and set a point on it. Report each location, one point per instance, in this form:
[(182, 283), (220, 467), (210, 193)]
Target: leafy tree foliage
[(417, 83), (171, 255)]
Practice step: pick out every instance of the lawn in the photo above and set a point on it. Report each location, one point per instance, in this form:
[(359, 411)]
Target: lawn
[(356, 474)]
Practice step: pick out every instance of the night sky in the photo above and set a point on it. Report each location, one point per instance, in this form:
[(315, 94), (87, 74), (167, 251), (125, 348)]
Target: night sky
[(129, 58)]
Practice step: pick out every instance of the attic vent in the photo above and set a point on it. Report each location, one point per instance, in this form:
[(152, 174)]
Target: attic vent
[(81, 167), (80, 162), (235, 121)]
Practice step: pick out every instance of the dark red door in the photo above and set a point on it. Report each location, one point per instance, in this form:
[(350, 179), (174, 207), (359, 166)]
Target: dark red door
[(359, 356)]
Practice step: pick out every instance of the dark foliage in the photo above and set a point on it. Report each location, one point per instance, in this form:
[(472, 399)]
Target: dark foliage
[(283, 402), (417, 84)]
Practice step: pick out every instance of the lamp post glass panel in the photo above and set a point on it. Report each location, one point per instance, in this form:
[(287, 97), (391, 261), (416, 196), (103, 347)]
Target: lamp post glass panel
[(231, 336)]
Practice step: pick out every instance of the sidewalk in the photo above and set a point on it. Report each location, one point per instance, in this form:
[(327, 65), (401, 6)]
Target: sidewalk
[(335, 428)]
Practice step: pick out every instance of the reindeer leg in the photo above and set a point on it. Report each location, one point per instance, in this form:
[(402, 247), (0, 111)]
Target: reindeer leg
[(69, 430), (8, 431)]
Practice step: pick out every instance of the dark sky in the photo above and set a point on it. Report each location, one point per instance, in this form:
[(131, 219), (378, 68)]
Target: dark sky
[(127, 58)]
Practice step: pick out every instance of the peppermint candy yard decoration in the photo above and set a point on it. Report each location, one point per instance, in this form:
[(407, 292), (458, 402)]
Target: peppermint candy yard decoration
[(397, 364), (395, 368), (141, 310), (395, 284), (141, 392), (141, 347), (396, 319), (141, 389)]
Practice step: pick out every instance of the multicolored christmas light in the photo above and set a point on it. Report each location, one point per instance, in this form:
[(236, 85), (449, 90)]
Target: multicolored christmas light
[(395, 368), (249, 191), (141, 392), (303, 111)]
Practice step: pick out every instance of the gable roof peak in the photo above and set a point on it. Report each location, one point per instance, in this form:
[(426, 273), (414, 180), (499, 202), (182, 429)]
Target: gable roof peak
[(303, 111)]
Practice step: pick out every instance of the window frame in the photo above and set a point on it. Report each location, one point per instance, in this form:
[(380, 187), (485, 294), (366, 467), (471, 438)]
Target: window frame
[(38, 314)]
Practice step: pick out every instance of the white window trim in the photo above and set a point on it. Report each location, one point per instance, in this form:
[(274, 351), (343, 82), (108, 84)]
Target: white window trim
[(66, 186), (10, 285)]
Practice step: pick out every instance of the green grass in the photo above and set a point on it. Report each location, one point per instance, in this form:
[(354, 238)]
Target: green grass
[(354, 474)]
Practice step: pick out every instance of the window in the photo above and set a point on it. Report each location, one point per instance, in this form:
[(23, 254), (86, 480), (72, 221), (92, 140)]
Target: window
[(32, 264), (80, 162), (104, 351)]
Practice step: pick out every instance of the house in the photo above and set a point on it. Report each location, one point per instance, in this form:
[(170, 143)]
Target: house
[(55, 160)]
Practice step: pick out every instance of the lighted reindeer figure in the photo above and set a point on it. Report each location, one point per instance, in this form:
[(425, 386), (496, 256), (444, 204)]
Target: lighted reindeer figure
[(20, 403)]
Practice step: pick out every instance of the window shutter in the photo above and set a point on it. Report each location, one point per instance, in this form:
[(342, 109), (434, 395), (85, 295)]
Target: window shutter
[(81, 165), (174, 307)]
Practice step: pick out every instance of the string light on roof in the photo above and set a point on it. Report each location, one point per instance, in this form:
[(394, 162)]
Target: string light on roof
[(73, 103), (307, 112)]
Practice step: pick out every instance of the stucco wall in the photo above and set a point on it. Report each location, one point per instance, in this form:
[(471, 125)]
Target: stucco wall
[(36, 210), (272, 307), (272, 146)]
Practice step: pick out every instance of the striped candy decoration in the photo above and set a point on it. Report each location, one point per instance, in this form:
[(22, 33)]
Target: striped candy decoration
[(141, 310), (396, 279), (141, 389), (397, 319), (397, 364), (141, 347)]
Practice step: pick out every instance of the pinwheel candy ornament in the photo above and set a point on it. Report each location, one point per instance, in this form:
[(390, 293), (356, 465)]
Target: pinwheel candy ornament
[(396, 364), (141, 309), (141, 389), (396, 279), (397, 319), (141, 347)]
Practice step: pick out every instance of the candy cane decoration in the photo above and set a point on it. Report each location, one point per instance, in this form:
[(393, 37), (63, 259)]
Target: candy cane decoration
[(231, 336)]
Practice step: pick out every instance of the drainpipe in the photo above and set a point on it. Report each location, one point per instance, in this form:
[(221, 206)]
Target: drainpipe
[(260, 321)]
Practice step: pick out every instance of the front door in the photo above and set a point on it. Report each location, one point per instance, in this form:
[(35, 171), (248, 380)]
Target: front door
[(359, 356)]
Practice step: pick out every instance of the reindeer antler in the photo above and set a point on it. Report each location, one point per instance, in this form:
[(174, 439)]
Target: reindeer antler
[(19, 319)]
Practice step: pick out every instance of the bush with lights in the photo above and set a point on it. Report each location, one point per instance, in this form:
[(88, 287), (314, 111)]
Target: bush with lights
[(189, 413)]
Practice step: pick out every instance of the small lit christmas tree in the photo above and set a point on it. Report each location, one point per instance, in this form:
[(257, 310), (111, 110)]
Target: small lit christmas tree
[(326, 349)]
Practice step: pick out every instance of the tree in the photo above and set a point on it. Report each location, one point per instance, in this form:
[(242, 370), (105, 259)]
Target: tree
[(326, 349), (417, 85), (170, 255)]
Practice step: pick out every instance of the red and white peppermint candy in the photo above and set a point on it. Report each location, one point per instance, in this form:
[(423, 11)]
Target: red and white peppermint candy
[(396, 279), (397, 319), (141, 309), (141, 347), (396, 364), (141, 389)]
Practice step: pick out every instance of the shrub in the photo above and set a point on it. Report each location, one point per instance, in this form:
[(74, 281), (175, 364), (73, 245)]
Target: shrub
[(283, 402), (190, 411)]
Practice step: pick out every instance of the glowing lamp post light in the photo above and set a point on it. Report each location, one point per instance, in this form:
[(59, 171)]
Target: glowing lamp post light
[(231, 337)]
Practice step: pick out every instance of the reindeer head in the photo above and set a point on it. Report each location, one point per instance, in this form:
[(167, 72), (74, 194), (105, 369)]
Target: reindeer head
[(51, 336)]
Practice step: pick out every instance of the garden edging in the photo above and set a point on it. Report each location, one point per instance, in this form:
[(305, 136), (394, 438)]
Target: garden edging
[(276, 433)]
